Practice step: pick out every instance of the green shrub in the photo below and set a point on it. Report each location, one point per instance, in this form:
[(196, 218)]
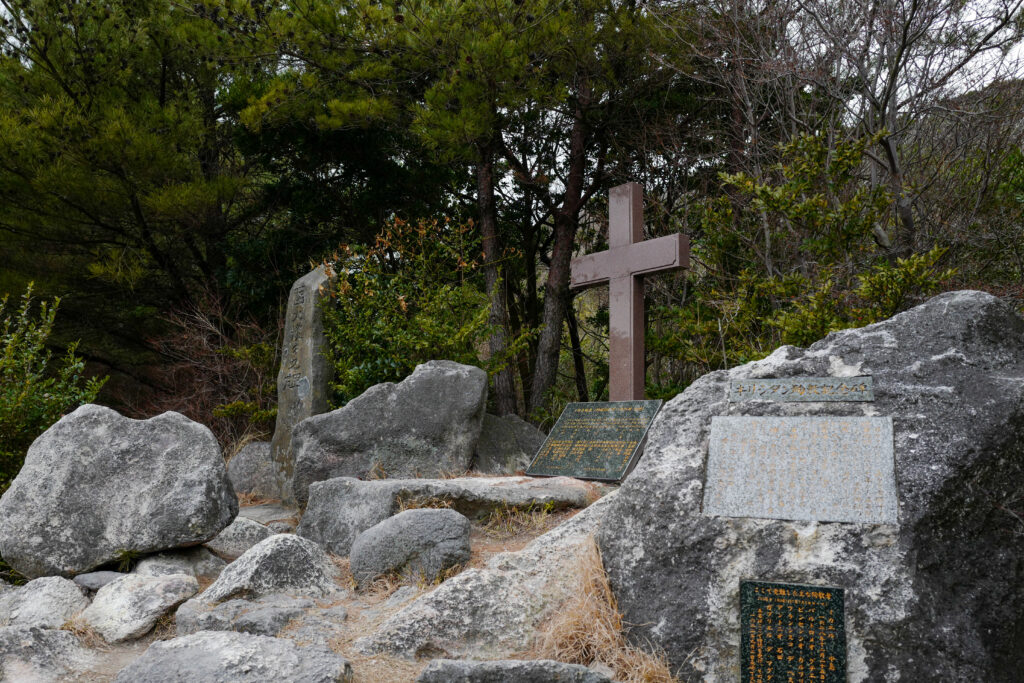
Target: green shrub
[(415, 295), (35, 389)]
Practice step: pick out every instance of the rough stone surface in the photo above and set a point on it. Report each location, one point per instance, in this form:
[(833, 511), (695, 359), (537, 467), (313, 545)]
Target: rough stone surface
[(238, 537), (93, 581), (264, 616), (38, 655), (305, 373), (426, 425), (423, 542), (280, 519), (47, 602), (198, 562), (340, 509), (938, 597), (506, 445), (252, 471), (229, 657), (508, 671), (492, 613), (96, 485), (129, 607), (281, 563)]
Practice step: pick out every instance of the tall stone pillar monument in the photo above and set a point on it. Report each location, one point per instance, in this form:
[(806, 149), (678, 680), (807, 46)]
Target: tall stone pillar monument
[(302, 383)]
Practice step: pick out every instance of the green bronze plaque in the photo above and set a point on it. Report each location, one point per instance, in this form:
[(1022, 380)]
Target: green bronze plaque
[(791, 633), (599, 441)]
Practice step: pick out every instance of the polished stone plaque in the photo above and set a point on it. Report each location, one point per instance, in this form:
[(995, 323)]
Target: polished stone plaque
[(791, 633), (596, 440), (826, 469), (802, 389)]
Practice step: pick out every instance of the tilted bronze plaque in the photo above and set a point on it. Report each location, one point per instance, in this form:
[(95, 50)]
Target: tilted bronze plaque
[(596, 440), (791, 633), (816, 469), (802, 389)]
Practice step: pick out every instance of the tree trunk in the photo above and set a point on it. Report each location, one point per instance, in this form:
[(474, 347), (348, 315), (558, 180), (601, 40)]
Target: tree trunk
[(555, 295), (577, 351), (504, 381)]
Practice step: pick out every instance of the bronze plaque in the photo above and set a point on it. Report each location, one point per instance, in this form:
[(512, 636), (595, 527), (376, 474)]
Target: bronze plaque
[(599, 441), (791, 633), (802, 389)]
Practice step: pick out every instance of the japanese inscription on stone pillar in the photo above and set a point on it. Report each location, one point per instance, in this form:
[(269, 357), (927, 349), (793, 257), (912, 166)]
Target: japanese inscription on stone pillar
[(302, 382)]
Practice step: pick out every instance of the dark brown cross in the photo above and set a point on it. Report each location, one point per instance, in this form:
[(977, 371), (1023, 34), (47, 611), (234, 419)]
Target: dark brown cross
[(623, 266)]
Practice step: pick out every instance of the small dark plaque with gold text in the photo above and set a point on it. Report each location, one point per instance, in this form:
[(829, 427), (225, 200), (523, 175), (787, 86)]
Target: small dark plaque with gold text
[(599, 441), (791, 633)]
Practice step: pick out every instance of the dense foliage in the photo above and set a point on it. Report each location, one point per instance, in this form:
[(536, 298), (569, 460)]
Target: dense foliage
[(36, 389), (169, 168)]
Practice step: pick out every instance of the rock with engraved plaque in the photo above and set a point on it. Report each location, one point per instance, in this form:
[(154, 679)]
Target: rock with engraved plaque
[(599, 440)]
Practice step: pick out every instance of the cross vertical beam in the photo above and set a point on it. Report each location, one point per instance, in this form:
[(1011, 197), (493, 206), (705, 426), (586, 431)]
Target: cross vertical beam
[(622, 267)]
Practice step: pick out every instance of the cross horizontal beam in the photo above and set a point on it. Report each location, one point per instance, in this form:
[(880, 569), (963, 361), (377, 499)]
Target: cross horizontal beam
[(641, 258)]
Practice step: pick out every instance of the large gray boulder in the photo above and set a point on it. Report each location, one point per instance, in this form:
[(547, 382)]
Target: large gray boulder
[(129, 607), (97, 486), (38, 655), (508, 671), (282, 562), (507, 445), (46, 602), (229, 657), (252, 471), (938, 596), (422, 542), (425, 426), (340, 509)]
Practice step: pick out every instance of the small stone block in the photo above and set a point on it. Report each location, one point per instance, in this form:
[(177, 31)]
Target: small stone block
[(824, 469), (599, 440)]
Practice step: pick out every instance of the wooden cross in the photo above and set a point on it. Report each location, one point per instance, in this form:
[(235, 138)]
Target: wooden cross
[(622, 267)]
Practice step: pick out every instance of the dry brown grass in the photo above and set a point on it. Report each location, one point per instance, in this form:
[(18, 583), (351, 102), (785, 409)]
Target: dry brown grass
[(506, 522), (588, 628), (165, 628), (85, 633), (417, 503), (250, 499)]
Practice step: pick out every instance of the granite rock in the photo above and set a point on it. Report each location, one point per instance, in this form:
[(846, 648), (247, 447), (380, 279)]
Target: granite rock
[(252, 471), (426, 425), (508, 671), (936, 597), (97, 485), (280, 563), (264, 616), (238, 537), (305, 374), (230, 657), (422, 542), (130, 606), (93, 581), (198, 562), (492, 612), (506, 445), (46, 602), (340, 509), (39, 655)]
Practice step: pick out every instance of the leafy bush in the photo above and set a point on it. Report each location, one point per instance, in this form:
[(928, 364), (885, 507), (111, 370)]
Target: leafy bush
[(414, 296), (35, 389)]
